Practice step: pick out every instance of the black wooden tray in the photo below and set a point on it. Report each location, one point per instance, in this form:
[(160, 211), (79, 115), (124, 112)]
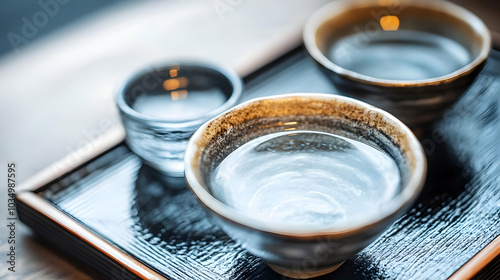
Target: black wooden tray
[(127, 221)]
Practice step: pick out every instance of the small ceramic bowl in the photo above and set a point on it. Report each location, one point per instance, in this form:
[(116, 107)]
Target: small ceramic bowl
[(298, 251), (411, 58)]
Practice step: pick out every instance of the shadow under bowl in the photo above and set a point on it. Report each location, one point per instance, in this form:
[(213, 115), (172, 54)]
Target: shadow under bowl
[(287, 248), (411, 58)]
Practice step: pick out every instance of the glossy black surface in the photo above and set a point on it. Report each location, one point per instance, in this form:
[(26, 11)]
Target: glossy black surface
[(160, 223)]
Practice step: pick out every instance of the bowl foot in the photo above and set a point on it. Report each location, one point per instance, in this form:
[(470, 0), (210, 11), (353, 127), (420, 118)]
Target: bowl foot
[(303, 273)]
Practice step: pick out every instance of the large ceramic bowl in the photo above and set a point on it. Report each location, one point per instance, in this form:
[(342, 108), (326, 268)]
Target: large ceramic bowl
[(411, 58), (299, 251)]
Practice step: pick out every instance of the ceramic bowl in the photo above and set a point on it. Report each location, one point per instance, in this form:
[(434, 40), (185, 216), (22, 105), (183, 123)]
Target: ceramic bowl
[(411, 58), (298, 251)]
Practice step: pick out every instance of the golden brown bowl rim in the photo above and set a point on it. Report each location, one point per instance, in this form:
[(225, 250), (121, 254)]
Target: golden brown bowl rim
[(401, 201), (330, 10)]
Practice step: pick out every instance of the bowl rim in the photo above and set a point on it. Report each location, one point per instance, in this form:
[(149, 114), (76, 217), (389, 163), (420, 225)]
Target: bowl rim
[(232, 77), (398, 203), (330, 10)]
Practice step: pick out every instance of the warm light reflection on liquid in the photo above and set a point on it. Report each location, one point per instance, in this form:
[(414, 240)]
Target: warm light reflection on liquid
[(389, 23), (175, 83)]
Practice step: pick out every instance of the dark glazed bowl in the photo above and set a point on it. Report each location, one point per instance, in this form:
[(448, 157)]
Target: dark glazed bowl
[(419, 92), (295, 251)]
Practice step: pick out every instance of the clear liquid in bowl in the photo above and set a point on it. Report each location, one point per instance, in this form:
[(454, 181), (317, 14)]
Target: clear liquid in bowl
[(305, 178), (399, 55)]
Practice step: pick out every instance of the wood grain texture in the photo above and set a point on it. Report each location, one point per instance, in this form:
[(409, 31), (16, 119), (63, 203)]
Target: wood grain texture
[(161, 224)]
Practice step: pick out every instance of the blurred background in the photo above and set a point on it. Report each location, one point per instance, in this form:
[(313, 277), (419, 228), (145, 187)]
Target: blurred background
[(13, 12), (62, 60)]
